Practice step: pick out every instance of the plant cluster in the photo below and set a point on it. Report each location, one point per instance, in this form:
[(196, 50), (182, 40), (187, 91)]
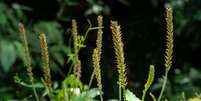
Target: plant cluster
[(72, 89)]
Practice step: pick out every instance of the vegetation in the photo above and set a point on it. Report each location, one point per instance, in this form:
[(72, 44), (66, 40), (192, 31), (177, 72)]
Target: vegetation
[(71, 91), (42, 55)]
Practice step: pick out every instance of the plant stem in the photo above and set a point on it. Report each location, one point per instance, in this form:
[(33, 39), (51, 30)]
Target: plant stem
[(143, 96), (169, 47), (46, 87), (90, 29), (120, 93), (101, 97), (71, 67), (27, 57), (163, 87), (92, 77), (153, 97), (34, 90)]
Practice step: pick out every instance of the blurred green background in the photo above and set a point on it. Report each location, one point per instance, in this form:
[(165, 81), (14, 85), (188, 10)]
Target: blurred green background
[(143, 27)]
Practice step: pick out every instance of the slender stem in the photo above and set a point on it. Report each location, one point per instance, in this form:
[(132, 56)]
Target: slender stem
[(71, 67), (91, 79), (61, 10), (34, 90), (90, 29), (124, 94), (120, 93), (153, 97), (47, 88), (164, 85), (101, 97), (143, 96), (93, 28), (51, 94)]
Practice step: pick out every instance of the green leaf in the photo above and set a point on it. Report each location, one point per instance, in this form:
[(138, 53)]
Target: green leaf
[(3, 19), (149, 81), (150, 78), (131, 97), (56, 53), (72, 82), (87, 95), (20, 50), (92, 93), (51, 29), (7, 55)]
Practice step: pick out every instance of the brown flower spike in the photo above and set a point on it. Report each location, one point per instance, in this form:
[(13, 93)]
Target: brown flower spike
[(27, 57), (77, 63), (45, 60)]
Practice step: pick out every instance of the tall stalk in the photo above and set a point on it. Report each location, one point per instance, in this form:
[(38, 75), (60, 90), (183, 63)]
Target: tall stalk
[(28, 58), (96, 57), (45, 63), (120, 60), (169, 48)]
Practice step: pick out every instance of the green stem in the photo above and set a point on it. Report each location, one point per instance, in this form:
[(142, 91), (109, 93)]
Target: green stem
[(71, 67), (92, 77), (49, 93), (124, 94), (94, 28), (153, 97), (101, 97), (120, 94), (143, 96), (164, 85), (34, 89), (90, 29)]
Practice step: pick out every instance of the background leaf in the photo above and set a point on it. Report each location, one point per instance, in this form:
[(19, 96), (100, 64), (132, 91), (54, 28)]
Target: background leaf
[(7, 55), (20, 50)]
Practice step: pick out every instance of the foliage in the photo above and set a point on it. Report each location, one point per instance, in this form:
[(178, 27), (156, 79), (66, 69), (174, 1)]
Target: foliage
[(71, 86), (184, 85), (8, 55), (12, 52), (149, 81), (130, 96), (8, 36), (12, 55)]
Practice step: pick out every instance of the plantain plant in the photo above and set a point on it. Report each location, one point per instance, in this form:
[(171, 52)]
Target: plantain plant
[(72, 89)]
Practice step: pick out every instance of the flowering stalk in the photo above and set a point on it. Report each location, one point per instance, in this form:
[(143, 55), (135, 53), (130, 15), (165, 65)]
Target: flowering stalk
[(169, 48), (96, 65), (120, 60), (77, 62), (27, 57), (45, 62)]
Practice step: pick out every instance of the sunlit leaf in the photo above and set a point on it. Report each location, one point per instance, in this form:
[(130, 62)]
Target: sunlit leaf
[(131, 97)]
